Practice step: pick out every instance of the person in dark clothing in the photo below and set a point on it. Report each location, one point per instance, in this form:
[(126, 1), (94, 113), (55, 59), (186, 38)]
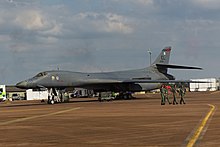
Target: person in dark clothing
[(173, 90), (182, 91), (162, 93), (167, 93)]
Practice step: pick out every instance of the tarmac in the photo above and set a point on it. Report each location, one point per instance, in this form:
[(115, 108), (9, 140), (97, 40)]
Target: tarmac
[(88, 122)]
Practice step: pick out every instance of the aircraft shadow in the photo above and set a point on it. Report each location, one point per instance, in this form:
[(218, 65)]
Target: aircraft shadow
[(21, 105), (71, 101)]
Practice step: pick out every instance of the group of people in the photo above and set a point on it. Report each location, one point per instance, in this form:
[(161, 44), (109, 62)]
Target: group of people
[(172, 90)]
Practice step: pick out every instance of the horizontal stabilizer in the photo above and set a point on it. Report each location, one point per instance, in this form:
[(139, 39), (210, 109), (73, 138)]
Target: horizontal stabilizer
[(164, 81), (177, 66)]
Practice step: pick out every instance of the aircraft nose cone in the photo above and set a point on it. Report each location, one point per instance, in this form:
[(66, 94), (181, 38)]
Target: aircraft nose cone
[(22, 84)]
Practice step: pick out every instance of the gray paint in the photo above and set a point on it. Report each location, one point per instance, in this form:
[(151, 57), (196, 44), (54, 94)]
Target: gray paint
[(131, 80)]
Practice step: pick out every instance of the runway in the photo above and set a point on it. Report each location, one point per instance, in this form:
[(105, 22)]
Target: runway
[(87, 122)]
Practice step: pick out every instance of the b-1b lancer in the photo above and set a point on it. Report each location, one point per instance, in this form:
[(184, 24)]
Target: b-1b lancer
[(119, 81)]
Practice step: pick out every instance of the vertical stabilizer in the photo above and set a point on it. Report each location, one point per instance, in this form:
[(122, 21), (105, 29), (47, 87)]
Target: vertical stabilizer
[(162, 62), (164, 56)]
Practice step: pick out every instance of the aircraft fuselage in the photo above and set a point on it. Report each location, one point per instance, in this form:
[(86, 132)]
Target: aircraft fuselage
[(104, 81)]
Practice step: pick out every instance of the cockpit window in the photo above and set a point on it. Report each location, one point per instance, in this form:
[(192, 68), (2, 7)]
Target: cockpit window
[(41, 74)]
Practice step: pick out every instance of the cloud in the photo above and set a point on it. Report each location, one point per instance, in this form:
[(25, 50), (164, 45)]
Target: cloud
[(4, 38), (37, 21), (138, 2), (114, 23), (17, 3), (19, 47), (105, 33), (43, 27), (31, 20), (145, 2), (103, 23), (207, 4), (24, 29)]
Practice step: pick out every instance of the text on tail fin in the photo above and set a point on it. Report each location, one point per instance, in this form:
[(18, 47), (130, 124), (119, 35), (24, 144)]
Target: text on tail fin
[(164, 56)]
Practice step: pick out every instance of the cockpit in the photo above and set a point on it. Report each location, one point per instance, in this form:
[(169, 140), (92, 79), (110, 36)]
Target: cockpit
[(40, 74), (32, 82)]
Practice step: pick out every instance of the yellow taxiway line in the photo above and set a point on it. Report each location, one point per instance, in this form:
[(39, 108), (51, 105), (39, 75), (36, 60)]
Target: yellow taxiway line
[(37, 116), (197, 133)]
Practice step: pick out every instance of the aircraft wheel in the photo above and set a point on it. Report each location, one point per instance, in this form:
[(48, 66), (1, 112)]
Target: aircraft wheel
[(52, 102), (126, 96)]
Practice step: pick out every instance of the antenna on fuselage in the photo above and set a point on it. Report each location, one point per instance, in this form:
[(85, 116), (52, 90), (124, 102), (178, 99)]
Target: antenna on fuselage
[(149, 51)]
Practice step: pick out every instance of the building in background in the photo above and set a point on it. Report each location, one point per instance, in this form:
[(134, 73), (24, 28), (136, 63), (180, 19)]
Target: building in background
[(36, 94), (211, 85)]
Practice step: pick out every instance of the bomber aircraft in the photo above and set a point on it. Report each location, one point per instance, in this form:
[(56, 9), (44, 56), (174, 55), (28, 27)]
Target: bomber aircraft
[(125, 82)]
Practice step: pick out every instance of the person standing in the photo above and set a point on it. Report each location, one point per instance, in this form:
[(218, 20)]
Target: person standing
[(162, 93), (182, 94), (167, 93), (173, 89)]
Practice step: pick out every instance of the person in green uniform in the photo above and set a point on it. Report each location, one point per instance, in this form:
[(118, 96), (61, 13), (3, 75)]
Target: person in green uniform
[(162, 93), (182, 91), (167, 92), (173, 89)]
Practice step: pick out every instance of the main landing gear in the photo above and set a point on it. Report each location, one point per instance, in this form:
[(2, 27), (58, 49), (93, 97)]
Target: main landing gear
[(125, 96), (56, 96)]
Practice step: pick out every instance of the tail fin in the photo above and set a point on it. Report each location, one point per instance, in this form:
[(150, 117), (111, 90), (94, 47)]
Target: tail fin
[(164, 56), (162, 62)]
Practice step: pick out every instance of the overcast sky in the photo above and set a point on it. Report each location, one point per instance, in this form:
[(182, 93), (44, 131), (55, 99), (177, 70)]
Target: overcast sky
[(107, 35)]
